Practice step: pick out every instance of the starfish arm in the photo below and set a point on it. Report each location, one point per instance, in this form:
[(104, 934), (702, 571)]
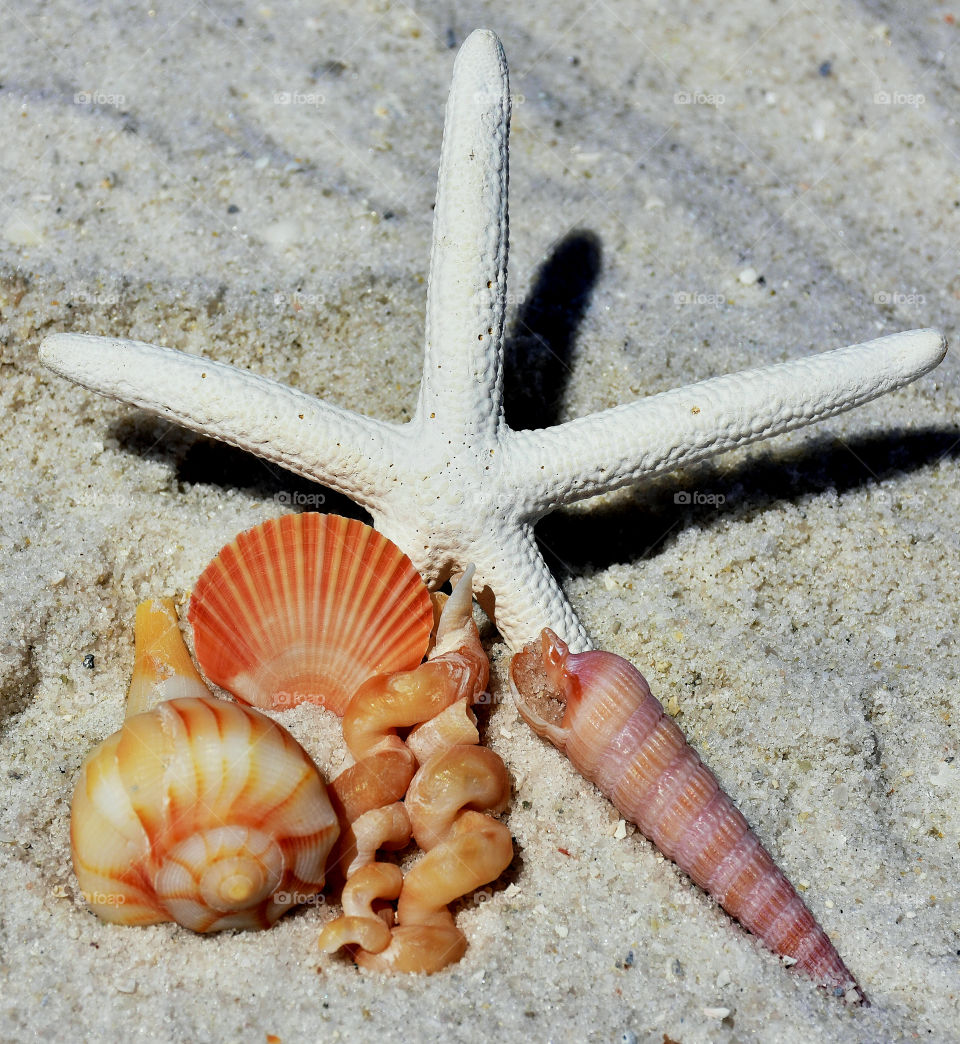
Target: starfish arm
[(607, 450), (515, 588), (333, 446), (462, 384)]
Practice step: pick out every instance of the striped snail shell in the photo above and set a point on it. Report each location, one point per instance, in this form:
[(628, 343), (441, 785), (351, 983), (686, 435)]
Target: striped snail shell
[(197, 811)]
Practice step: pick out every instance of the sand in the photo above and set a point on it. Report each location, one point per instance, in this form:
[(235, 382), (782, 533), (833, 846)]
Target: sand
[(693, 191)]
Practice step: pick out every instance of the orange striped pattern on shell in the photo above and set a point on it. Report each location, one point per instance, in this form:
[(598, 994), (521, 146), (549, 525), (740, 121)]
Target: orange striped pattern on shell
[(203, 812), (307, 607), (597, 708)]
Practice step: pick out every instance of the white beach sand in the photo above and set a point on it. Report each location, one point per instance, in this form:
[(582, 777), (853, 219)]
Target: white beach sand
[(255, 183)]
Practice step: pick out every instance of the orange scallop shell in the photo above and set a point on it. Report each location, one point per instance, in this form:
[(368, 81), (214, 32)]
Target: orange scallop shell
[(307, 607)]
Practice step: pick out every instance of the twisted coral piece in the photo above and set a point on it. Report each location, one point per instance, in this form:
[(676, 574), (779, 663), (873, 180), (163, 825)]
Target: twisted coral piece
[(461, 777), (385, 765), (456, 724), (597, 708), (465, 849)]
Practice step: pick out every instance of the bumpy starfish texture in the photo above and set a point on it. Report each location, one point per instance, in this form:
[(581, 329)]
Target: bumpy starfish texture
[(456, 485)]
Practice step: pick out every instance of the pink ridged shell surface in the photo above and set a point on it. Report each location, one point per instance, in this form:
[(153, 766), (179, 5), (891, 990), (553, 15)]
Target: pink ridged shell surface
[(598, 709)]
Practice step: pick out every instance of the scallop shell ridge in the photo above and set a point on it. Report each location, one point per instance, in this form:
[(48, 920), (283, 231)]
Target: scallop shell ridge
[(307, 607)]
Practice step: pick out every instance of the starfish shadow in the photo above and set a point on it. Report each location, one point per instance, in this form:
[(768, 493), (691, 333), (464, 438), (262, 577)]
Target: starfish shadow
[(537, 355), (539, 344), (196, 460), (645, 520)]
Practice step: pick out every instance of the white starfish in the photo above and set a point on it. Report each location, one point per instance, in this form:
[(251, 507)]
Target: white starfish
[(456, 485)]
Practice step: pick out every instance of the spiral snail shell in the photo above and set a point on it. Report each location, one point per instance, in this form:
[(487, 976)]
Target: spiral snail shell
[(197, 811), (597, 708)]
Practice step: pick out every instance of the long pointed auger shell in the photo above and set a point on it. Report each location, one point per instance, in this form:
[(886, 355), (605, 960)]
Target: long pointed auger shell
[(307, 607), (597, 708)]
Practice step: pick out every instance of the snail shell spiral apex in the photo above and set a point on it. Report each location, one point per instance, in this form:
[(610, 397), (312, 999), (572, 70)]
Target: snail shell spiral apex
[(202, 812), (162, 667)]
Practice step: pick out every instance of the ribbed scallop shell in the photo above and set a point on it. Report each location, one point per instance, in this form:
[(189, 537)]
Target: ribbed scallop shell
[(307, 607), (203, 812), (597, 708)]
